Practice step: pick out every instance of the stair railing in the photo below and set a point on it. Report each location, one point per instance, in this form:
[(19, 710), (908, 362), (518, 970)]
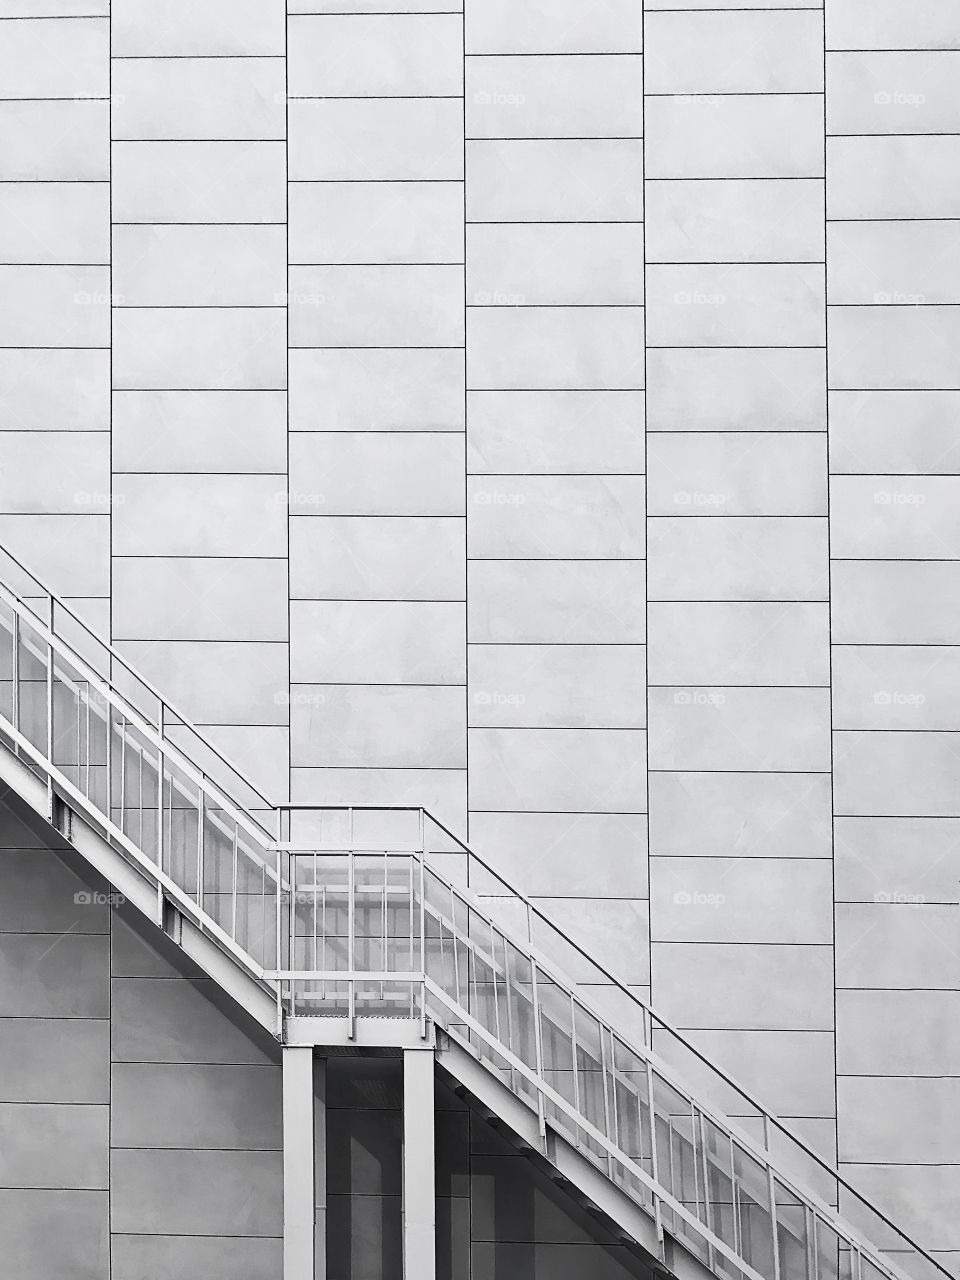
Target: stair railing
[(397, 916)]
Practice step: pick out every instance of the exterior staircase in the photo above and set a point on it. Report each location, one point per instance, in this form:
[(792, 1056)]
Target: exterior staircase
[(378, 928)]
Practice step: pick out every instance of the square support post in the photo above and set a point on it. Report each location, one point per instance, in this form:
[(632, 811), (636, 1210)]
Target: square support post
[(419, 1177), (299, 1179)]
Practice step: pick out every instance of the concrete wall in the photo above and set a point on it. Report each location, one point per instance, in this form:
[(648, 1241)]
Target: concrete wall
[(739, 673), (141, 1120), (892, 235), (462, 354), (555, 413)]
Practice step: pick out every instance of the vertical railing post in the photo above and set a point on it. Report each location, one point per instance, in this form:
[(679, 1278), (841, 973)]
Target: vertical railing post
[(609, 1130), (810, 1226), (537, 1031), (654, 1153), (50, 620), (161, 727), (351, 939), (697, 1117), (201, 809), (423, 938), (278, 916), (735, 1200), (15, 673), (772, 1193), (574, 1060), (108, 789)]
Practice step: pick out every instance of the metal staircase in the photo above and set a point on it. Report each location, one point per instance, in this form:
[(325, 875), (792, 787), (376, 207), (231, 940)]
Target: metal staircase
[(339, 924)]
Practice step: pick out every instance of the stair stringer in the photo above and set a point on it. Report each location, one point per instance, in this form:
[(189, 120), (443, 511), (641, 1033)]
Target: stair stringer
[(142, 891), (567, 1166)]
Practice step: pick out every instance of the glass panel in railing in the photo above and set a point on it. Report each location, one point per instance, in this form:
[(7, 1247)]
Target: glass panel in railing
[(135, 786), (721, 1193), (517, 1014), (32, 685), (487, 991), (383, 918), (594, 1082), (555, 1005), (754, 1224), (320, 904), (457, 914), (79, 732), (794, 1233), (676, 1151), (403, 913), (7, 626), (69, 715), (631, 1117), (438, 942), (181, 815), (220, 857), (93, 773), (832, 1257), (370, 908), (255, 921)]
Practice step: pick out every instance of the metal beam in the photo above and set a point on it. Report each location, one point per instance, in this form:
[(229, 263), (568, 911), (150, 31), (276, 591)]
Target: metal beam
[(299, 1180), (419, 1177)]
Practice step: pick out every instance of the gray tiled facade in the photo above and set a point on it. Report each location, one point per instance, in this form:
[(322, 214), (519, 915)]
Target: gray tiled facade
[(545, 413)]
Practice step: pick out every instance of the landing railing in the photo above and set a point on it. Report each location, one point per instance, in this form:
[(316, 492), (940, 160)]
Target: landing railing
[(383, 912)]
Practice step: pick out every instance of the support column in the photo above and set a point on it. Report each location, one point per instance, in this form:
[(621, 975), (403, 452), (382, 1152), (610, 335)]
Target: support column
[(299, 1199), (419, 1179), (320, 1166)]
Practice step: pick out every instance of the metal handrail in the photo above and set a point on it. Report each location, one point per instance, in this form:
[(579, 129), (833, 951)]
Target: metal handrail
[(167, 751)]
